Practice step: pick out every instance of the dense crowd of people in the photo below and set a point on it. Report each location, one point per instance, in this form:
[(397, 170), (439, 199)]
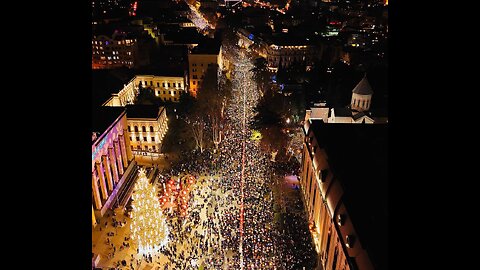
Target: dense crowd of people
[(229, 222)]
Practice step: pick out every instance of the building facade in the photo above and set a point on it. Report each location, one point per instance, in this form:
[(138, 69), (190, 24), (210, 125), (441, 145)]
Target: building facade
[(329, 206), (198, 64), (147, 126), (286, 55), (114, 52), (112, 162), (205, 55), (168, 88)]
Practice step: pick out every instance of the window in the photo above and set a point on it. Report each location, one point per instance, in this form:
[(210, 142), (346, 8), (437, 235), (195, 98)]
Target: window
[(163, 84), (179, 84), (175, 99), (151, 128), (194, 82), (151, 83), (129, 130), (174, 92), (130, 138), (144, 139), (174, 85), (138, 139), (169, 92), (340, 219), (153, 147), (193, 65), (349, 241), (131, 147), (136, 129), (139, 147), (158, 93), (195, 77), (144, 129), (164, 92), (146, 148), (168, 84), (158, 84), (153, 139), (194, 70)]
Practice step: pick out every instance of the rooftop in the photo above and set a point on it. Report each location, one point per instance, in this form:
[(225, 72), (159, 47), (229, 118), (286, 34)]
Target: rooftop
[(288, 40), (143, 111), (363, 87), (103, 117), (208, 46), (342, 112), (104, 84), (357, 156)]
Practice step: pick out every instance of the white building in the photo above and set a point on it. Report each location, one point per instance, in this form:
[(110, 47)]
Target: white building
[(362, 96), (356, 113)]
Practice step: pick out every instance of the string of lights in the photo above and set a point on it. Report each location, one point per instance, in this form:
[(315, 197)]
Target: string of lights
[(149, 227)]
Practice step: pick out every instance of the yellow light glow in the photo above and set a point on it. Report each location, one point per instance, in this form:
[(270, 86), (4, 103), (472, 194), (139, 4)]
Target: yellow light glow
[(149, 228)]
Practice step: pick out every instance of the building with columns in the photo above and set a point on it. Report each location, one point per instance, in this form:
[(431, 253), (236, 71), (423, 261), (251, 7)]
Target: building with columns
[(112, 159), (168, 88), (344, 187), (362, 96), (146, 127)]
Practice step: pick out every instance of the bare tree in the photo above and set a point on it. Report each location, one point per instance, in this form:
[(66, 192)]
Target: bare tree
[(198, 126)]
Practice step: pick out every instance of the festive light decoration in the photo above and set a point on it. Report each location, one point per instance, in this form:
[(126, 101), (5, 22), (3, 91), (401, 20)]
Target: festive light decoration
[(149, 227)]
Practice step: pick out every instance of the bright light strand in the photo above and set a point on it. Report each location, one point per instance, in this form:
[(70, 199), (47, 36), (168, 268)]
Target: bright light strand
[(149, 227)]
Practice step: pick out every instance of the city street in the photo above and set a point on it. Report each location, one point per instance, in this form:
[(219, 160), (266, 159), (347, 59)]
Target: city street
[(227, 218)]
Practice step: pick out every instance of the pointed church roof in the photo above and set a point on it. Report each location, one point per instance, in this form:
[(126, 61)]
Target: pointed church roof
[(363, 87)]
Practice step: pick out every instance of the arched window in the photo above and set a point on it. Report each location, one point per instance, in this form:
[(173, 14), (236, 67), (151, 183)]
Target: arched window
[(144, 129), (136, 129), (151, 128)]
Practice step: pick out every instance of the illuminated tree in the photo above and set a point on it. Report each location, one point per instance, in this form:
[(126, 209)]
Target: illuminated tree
[(149, 227)]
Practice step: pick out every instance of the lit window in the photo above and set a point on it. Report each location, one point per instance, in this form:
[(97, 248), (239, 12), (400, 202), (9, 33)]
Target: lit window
[(349, 241), (340, 219)]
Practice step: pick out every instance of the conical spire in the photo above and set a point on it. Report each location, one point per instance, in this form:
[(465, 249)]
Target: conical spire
[(363, 87)]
